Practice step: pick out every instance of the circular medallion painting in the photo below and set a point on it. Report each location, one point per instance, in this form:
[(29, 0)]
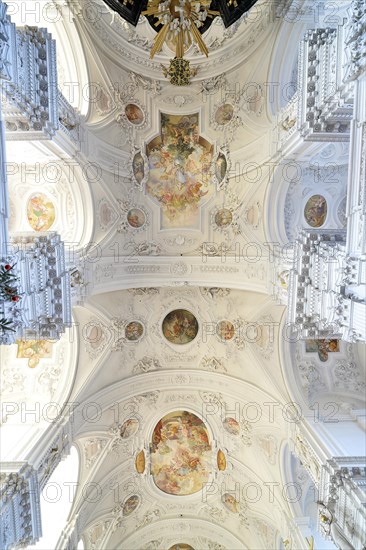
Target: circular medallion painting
[(136, 218), (223, 217), (225, 330), (138, 167), (129, 427), (230, 503), (134, 331), (130, 505), (180, 326), (231, 426), (224, 114), (181, 546), (134, 114), (221, 167), (315, 211), (40, 212)]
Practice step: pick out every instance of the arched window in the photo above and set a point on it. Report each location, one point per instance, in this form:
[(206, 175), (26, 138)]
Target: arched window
[(56, 501)]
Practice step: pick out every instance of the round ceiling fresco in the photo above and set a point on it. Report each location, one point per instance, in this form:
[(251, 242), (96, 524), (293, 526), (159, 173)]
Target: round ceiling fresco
[(181, 454), (225, 330), (223, 217), (315, 211), (181, 546), (41, 212), (180, 326), (134, 114), (224, 114), (134, 331), (136, 218)]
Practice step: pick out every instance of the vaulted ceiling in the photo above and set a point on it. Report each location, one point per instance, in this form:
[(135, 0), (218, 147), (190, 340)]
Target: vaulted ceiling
[(192, 239)]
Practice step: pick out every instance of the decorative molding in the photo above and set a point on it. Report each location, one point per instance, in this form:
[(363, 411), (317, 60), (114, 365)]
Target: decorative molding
[(213, 364), (146, 364)]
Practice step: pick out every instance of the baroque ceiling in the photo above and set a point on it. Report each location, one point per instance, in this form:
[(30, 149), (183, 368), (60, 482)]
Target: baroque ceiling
[(180, 342)]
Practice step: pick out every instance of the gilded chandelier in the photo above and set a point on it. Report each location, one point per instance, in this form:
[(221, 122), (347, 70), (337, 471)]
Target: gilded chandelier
[(181, 21)]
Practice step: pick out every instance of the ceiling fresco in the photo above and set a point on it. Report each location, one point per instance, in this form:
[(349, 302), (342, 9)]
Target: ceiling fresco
[(41, 212), (34, 350), (180, 327), (181, 342), (181, 454), (179, 170)]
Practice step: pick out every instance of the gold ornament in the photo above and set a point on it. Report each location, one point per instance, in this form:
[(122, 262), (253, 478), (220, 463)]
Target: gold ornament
[(179, 71)]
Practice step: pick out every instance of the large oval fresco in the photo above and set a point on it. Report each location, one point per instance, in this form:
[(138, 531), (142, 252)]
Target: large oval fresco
[(181, 454), (41, 212), (180, 326), (315, 211)]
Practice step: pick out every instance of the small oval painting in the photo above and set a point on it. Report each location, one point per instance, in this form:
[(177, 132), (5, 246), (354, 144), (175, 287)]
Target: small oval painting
[(105, 215), (181, 546), (231, 426), (223, 217), (134, 114), (140, 462), (94, 335), (181, 454), (129, 427), (230, 503), (221, 460), (252, 215), (136, 218), (40, 212), (180, 326), (134, 331), (315, 211), (225, 330), (138, 167), (221, 167), (224, 114), (130, 505)]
